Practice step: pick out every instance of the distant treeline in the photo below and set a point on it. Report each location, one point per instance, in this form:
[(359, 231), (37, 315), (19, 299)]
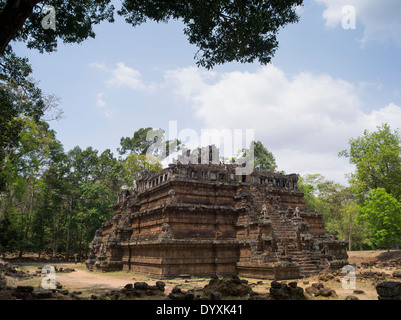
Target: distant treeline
[(53, 201)]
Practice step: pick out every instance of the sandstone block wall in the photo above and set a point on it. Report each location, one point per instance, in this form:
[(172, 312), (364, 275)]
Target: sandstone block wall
[(203, 219)]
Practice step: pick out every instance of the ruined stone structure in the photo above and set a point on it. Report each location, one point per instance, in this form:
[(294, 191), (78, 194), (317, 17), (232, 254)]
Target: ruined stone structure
[(203, 219)]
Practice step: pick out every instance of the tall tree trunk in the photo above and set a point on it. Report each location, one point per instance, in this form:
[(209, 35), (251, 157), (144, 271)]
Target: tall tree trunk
[(349, 238), (67, 245), (54, 249), (12, 19), (28, 219), (54, 240), (349, 242), (80, 254)]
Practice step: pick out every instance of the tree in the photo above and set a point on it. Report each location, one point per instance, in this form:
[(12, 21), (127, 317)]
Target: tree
[(138, 144), (22, 21), (135, 163), (9, 234), (309, 185), (377, 159), (322, 195), (263, 159), (23, 165), (223, 30), (338, 205), (22, 107), (41, 219), (347, 227), (92, 184), (149, 141), (382, 214)]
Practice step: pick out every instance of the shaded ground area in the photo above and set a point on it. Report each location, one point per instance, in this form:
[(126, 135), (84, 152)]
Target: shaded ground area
[(372, 268), (374, 256)]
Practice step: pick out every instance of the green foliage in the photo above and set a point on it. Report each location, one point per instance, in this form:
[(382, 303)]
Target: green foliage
[(10, 235), (138, 144), (223, 30), (377, 158), (23, 109), (338, 205), (382, 214), (74, 23), (347, 227), (20, 103), (263, 158), (227, 160), (322, 195), (150, 142), (134, 164), (56, 200), (305, 185), (376, 183)]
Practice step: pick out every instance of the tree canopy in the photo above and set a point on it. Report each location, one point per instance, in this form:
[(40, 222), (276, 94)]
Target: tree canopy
[(377, 159), (338, 205), (376, 183), (222, 30), (149, 141), (22, 106), (263, 159), (55, 200), (382, 214), (22, 21)]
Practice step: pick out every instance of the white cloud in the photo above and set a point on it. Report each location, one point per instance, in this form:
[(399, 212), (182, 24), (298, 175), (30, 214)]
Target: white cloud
[(123, 76), (305, 119), (102, 106), (381, 19), (97, 65)]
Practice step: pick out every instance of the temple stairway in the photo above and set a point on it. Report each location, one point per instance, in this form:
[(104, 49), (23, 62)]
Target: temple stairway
[(284, 232), (306, 263), (287, 239)]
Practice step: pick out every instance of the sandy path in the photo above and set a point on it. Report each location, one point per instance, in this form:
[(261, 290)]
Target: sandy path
[(87, 281), (83, 280)]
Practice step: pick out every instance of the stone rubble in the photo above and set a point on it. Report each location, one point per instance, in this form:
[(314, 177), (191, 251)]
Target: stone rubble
[(318, 289)]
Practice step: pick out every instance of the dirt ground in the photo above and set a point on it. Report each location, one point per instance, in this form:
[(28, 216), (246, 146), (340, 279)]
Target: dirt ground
[(95, 282)]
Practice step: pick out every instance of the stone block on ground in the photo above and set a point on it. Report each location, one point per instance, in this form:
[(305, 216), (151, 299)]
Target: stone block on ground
[(228, 287), (389, 290)]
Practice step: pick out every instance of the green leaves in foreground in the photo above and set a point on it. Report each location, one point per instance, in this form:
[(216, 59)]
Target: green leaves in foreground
[(377, 159), (382, 215)]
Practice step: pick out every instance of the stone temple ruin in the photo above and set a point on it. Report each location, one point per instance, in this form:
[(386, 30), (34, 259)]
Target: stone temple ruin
[(203, 219)]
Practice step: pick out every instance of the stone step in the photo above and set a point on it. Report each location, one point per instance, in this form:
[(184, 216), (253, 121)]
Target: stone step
[(291, 231), (284, 236), (284, 232)]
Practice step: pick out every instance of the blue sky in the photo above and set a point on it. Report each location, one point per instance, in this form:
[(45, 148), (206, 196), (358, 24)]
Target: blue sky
[(326, 84)]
